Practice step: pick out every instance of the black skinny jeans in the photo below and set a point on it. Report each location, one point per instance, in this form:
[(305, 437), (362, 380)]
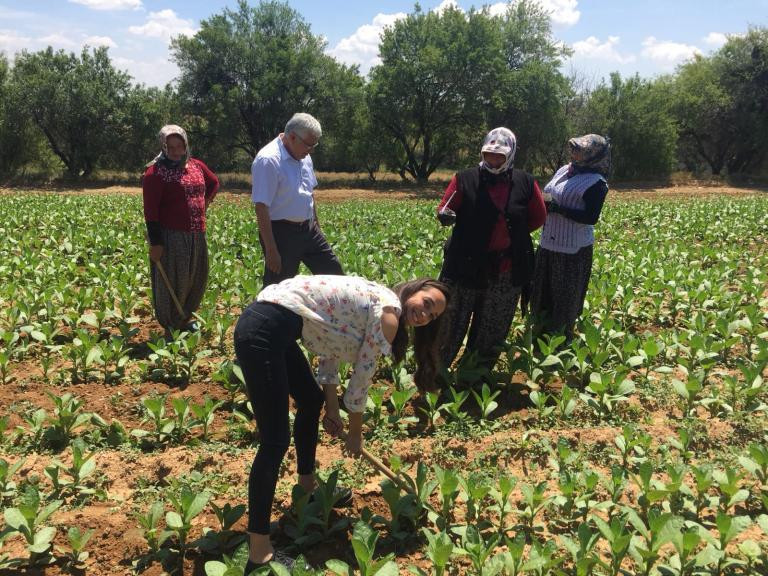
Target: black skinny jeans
[(274, 367)]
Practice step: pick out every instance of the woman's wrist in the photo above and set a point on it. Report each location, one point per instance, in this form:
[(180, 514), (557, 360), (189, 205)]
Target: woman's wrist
[(331, 398)]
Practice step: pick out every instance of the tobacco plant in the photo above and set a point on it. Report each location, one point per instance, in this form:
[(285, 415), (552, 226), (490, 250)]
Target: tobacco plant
[(364, 547), (82, 468), (187, 505), (7, 484), (605, 391), (404, 512), (76, 555), (225, 539), (27, 519), (153, 532)]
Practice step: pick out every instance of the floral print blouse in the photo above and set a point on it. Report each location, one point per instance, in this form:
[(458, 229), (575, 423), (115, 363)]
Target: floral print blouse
[(342, 323)]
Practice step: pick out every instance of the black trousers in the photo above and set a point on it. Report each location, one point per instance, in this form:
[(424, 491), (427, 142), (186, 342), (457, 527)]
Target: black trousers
[(274, 368), (300, 242)]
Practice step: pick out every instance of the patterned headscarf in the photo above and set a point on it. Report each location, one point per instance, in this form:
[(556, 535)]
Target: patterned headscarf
[(590, 153), (162, 136), (500, 141)]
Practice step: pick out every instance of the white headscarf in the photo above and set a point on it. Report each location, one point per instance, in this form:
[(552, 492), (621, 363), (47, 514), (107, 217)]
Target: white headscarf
[(162, 136), (500, 141)]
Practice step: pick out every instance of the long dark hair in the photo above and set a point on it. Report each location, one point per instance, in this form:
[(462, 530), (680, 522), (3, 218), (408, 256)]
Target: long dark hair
[(427, 339)]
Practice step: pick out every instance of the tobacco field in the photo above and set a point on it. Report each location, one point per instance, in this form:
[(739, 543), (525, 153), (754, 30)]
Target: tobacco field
[(640, 448)]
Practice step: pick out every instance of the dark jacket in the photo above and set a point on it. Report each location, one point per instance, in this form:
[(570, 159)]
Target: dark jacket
[(467, 260)]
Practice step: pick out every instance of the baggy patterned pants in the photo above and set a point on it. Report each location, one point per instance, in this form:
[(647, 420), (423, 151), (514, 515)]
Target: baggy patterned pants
[(560, 284), (185, 260), (487, 314)]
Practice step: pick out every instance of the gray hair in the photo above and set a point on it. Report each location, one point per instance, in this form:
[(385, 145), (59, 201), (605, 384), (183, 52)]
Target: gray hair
[(304, 123)]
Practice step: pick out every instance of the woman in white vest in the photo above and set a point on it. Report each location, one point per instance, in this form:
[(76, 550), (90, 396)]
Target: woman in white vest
[(574, 199)]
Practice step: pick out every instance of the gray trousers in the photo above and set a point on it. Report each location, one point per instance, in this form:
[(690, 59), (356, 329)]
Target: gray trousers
[(185, 261), (487, 314), (300, 242)]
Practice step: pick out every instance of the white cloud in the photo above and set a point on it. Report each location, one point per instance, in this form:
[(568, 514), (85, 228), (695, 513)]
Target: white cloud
[(11, 42), (164, 24), (109, 4), (362, 47), (155, 72), (715, 39), (100, 41), (562, 12), (593, 49), (57, 41), (667, 54)]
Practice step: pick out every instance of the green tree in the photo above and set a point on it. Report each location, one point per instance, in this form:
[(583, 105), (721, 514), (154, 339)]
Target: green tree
[(144, 111), (247, 71), (533, 90), (432, 91), (17, 142), (743, 67), (340, 106), (721, 106), (636, 114), (76, 102), (704, 111)]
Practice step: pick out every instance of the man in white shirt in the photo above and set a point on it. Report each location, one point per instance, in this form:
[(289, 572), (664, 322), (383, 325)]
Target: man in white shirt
[(283, 180)]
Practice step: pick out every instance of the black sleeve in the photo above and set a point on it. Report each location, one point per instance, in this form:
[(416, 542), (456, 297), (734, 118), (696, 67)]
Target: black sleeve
[(155, 233), (594, 197)]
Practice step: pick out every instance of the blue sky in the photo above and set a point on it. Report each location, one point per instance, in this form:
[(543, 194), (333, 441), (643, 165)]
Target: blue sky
[(648, 37)]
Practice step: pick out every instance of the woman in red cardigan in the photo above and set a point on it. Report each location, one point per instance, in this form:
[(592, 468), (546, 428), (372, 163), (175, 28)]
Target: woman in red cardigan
[(177, 192)]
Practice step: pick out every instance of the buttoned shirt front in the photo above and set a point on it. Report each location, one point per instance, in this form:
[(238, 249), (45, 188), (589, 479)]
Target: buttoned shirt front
[(282, 183)]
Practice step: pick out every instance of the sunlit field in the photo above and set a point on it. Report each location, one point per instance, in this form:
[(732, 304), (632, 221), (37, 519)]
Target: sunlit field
[(640, 448)]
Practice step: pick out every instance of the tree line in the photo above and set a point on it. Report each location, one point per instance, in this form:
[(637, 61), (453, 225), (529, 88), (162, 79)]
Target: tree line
[(443, 81)]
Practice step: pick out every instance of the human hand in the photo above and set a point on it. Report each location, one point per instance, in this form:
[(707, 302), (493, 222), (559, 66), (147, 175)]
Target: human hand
[(156, 252), (446, 216), (333, 424), (354, 444), (552, 207), (273, 260)]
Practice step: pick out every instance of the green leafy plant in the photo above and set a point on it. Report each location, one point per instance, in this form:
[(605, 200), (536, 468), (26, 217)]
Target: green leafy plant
[(500, 495), (440, 550), (225, 538), (150, 523), (476, 547), (27, 519), (76, 555), (431, 408), (364, 546), (80, 471), (404, 512), (605, 391), (7, 484), (486, 401), (68, 416), (187, 505), (204, 414)]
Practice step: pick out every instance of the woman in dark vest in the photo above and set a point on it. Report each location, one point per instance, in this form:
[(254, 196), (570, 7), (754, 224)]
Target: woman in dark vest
[(489, 256)]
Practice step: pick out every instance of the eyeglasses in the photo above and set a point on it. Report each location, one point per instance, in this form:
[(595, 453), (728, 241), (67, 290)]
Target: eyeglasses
[(308, 145)]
